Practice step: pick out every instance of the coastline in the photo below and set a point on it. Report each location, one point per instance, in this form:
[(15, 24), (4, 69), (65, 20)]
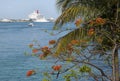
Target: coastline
[(20, 20)]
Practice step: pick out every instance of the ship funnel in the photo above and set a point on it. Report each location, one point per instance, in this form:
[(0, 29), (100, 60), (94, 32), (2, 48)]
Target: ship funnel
[(37, 11)]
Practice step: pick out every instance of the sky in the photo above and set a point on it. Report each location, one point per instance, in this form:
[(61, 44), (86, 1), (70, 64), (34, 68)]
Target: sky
[(20, 9)]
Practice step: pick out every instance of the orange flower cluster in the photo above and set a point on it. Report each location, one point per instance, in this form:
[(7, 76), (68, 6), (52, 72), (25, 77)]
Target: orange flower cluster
[(45, 49), (91, 32), (74, 42), (78, 22), (35, 50), (69, 47), (56, 67), (30, 72), (51, 42), (83, 41), (42, 56), (100, 21)]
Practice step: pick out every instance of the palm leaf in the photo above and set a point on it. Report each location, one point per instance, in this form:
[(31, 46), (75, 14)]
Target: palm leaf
[(72, 13), (63, 4), (78, 34), (87, 9)]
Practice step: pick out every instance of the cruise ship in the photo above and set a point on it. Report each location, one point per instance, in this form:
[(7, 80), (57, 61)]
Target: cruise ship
[(37, 17)]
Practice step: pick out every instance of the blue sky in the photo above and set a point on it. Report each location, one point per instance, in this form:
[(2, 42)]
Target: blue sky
[(17, 9)]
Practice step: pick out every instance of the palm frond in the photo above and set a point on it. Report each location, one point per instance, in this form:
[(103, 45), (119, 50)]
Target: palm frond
[(63, 4), (77, 34), (72, 9), (70, 14)]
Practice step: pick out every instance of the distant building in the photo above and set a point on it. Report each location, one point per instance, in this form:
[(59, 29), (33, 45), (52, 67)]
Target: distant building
[(6, 20)]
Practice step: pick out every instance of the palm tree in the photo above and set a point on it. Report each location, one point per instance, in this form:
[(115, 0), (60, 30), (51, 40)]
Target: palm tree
[(72, 9), (106, 37)]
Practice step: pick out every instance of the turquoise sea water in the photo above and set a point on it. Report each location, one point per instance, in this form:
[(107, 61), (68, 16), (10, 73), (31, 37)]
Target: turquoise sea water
[(14, 40)]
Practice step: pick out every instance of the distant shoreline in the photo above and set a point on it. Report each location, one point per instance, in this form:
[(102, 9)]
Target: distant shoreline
[(20, 20)]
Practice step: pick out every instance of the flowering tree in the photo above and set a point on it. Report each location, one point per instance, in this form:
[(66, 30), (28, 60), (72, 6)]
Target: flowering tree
[(92, 49)]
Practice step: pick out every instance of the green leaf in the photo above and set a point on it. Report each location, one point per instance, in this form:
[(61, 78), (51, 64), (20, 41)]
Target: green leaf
[(26, 53), (44, 79), (47, 75)]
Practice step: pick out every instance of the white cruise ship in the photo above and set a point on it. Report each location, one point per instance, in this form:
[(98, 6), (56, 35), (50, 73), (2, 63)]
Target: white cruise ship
[(37, 17)]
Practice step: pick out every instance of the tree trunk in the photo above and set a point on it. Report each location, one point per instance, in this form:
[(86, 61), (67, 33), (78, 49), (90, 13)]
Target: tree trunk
[(115, 61)]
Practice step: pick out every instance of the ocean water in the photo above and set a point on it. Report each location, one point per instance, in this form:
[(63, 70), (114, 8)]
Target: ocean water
[(14, 40)]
